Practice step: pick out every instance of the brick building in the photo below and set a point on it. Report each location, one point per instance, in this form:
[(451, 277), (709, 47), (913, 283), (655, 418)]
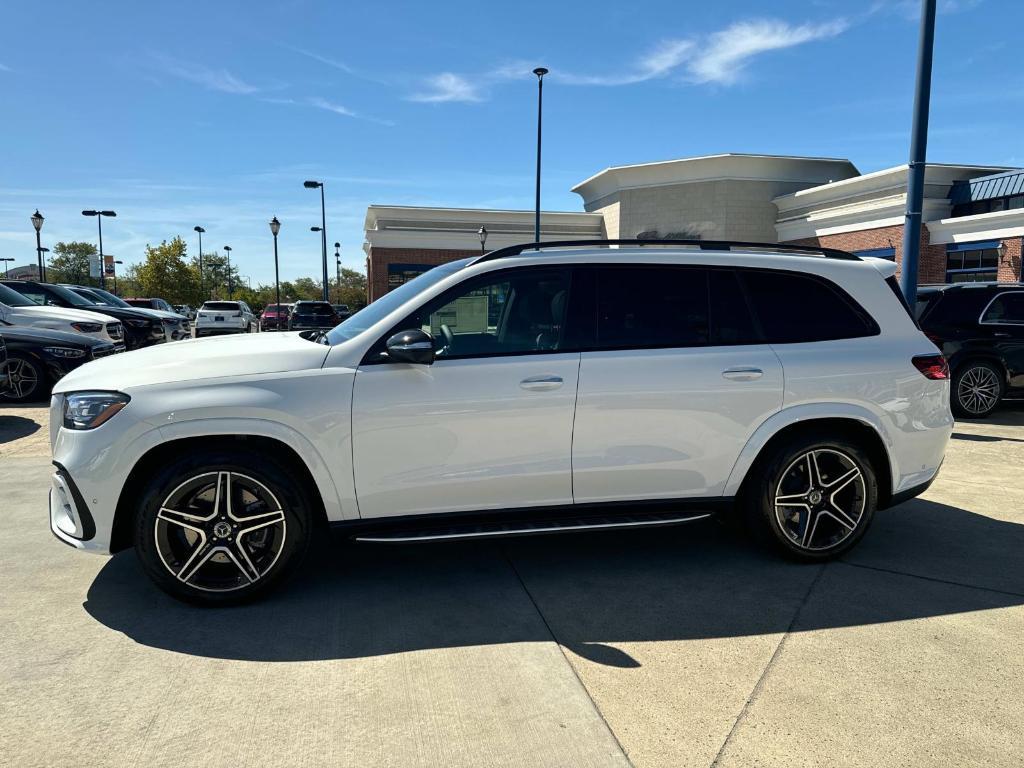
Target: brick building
[(973, 215)]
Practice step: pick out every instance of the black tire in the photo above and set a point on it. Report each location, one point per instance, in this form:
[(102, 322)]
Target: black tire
[(29, 380), (169, 545), (818, 526), (978, 388)]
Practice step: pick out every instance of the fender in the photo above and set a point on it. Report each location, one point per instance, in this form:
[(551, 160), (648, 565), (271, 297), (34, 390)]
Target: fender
[(799, 413), (308, 453)]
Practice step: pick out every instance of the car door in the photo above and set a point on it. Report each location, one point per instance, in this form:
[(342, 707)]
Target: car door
[(673, 385), (489, 424), (1003, 322)]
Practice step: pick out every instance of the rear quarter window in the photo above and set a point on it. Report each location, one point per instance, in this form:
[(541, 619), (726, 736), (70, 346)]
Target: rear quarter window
[(793, 307)]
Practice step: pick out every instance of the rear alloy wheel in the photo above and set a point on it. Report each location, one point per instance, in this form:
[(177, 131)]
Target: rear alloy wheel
[(817, 498), (26, 380), (977, 390), (216, 531)]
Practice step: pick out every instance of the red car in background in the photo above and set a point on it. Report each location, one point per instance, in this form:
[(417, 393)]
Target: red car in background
[(275, 317)]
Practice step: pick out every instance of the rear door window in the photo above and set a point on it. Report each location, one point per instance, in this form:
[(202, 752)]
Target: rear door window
[(1005, 309), (731, 319), (651, 307), (792, 307)]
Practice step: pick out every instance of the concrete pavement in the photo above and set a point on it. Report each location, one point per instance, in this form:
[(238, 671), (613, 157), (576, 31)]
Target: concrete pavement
[(677, 647)]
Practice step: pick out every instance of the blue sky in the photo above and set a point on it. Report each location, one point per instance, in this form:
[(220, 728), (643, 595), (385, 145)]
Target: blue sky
[(213, 113)]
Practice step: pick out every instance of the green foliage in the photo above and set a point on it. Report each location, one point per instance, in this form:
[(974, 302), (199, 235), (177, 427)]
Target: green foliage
[(166, 274), (69, 263)]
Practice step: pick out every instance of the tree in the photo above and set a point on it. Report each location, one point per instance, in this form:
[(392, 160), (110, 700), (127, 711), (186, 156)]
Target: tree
[(215, 276), (70, 263), (353, 289), (165, 273)]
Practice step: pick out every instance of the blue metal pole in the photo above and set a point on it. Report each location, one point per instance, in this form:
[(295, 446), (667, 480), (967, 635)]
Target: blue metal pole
[(918, 152)]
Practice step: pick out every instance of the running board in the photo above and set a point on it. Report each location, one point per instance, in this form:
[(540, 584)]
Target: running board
[(529, 528)]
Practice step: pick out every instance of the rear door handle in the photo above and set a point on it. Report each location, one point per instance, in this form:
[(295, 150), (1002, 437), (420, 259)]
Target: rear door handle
[(742, 374), (541, 383), (1001, 335)]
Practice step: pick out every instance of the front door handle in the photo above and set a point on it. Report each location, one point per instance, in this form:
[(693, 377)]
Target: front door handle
[(541, 383), (742, 374)]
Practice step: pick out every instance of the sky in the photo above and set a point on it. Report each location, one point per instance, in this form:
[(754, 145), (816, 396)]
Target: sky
[(214, 113)]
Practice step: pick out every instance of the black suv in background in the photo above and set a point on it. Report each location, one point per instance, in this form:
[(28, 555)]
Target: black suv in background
[(37, 358), (140, 329), (980, 329), (312, 314)]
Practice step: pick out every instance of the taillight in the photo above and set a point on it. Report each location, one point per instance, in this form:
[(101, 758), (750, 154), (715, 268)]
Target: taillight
[(932, 367)]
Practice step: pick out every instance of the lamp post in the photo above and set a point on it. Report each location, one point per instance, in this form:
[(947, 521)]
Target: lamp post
[(337, 267), (483, 240), (116, 262), (200, 231), (539, 72), (42, 254), (37, 222), (323, 226), (227, 249), (275, 227), (325, 296), (7, 267), (99, 223)]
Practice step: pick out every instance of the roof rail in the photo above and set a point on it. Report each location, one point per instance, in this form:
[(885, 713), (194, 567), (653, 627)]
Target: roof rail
[(704, 245)]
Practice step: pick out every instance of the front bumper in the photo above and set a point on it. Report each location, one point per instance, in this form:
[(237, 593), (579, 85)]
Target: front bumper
[(71, 520)]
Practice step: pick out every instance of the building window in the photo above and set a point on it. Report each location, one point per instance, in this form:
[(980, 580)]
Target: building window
[(972, 262), (988, 206), (878, 253), (399, 274)]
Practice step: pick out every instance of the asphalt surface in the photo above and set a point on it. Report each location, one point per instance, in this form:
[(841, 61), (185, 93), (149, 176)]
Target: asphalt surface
[(676, 647)]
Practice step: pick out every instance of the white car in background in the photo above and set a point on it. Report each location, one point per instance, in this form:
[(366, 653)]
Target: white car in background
[(176, 327), (224, 317), (15, 309)]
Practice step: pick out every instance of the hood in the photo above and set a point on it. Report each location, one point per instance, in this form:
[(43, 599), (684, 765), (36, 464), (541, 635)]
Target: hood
[(33, 335), (39, 315), (195, 359), (161, 313)]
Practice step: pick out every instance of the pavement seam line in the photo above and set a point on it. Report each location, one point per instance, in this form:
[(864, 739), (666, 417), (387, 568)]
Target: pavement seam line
[(931, 578), (561, 650), (759, 685)]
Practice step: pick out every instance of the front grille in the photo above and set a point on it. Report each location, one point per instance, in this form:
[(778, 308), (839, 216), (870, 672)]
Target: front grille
[(115, 331), (103, 351)]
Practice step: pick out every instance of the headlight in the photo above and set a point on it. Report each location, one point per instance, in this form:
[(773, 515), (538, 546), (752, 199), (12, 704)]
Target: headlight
[(136, 323), (87, 410), (64, 351), (168, 321), (87, 327)]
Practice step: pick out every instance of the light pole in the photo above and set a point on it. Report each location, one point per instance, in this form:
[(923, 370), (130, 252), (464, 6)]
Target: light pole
[(42, 253), (539, 72), (200, 231), (99, 222), (323, 226), (7, 267), (325, 297), (116, 262), (337, 267), (227, 249), (275, 227), (483, 240), (37, 223)]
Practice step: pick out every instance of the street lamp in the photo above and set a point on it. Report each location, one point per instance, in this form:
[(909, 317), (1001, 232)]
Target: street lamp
[(116, 262), (200, 230), (7, 267), (337, 267), (275, 227), (323, 225), (37, 223), (227, 248), (42, 252), (99, 222), (539, 72), (483, 239)]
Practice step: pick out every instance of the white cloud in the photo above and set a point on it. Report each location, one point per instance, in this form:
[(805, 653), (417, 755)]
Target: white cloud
[(448, 86), (5, 68), (323, 59), (659, 62), (727, 52), (212, 79), (322, 103)]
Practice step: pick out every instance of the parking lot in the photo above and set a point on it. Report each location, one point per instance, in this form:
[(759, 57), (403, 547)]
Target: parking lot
[(671, 647)]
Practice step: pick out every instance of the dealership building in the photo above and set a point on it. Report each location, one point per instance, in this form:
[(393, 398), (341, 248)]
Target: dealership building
[(973, 215)]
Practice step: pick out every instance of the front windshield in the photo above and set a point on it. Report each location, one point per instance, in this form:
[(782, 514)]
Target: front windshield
[(106, 297), (12, 298), (71, 297), (389, 302)]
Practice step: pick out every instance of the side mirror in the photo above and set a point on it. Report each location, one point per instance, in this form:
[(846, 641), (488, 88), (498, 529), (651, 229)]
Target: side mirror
[(412, 346)]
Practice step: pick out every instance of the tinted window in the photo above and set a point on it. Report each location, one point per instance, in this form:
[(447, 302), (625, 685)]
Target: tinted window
[(12, 298), (731, 321), (650, 307), (222, 306), (1006, 309), (794, 307)]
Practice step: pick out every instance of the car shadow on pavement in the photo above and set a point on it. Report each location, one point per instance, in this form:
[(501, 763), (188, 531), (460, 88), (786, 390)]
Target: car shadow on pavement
[(16, 427), (590, 590)]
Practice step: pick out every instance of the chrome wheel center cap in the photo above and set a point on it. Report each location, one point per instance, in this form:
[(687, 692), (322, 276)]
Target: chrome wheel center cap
[(222, 530), (815, 497)]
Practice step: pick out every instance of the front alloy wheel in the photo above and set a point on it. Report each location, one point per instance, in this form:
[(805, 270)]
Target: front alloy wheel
[(24, 380)]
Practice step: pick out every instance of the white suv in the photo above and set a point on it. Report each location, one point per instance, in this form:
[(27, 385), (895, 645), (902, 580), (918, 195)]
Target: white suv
[(224, 317), (537, 388)]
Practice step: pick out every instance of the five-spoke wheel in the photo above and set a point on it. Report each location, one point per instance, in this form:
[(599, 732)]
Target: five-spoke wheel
[(25, 380)]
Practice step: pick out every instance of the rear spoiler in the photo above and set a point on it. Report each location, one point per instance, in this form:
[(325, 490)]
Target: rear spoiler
[(886, 267)]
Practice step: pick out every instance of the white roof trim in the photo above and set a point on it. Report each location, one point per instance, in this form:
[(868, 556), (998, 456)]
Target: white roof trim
[(983, 226)]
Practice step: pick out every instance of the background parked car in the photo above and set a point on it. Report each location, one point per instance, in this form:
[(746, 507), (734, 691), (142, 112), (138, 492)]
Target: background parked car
[(38, 358), (140, 329), (176, 327), (224, 317), (312, 314), (185, 310), (342, 311), (980, 329), (17, 309), (5, 379), (275, 317), (153, 303)]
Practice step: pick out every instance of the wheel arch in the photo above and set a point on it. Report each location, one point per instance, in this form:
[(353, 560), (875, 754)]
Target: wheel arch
[(859, 428), (151, 460), (965, 357)]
